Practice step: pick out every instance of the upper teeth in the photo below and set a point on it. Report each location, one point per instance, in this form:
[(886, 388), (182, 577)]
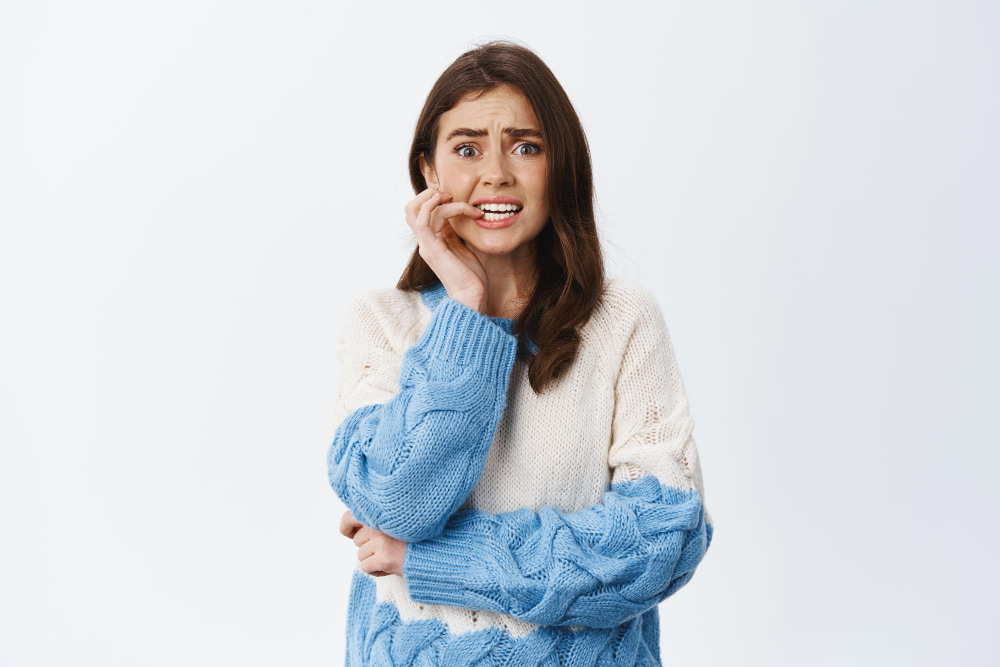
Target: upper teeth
[(499, 207)]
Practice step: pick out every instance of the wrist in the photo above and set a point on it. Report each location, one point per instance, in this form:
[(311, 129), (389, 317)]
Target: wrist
[(475, 302)]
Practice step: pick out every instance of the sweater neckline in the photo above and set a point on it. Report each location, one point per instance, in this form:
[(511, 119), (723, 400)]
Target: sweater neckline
[(433, 295)]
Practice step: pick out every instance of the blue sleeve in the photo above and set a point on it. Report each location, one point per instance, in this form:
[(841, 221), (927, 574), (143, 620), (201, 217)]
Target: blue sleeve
[(405, 464), (607, 563), (597, 567)]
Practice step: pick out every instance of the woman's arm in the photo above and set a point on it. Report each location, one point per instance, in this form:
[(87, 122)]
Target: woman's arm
[(599, 566), (403, 459)]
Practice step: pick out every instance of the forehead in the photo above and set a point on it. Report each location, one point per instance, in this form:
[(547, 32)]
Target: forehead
[(501, 107)]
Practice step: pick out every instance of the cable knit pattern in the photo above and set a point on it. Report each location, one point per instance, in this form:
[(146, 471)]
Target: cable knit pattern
[(453, 385), (541, 530)]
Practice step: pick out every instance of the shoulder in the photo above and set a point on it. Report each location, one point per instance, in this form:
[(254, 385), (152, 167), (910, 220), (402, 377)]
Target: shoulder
[(627, 320), (383, 299), (627, 306), (385, 315), (628, 292), (641, 345)]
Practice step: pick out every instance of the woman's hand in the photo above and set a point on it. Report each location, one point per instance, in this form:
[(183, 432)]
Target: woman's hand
[(445, 252), (379, 554)]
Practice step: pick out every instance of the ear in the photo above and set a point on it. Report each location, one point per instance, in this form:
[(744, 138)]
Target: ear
[(430, 175)]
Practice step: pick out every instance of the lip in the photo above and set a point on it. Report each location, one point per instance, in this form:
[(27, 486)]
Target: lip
[(498, 199), (498, 224)]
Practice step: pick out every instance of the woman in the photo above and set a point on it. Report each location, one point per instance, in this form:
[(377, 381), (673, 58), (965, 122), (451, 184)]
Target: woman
[(514, 441)]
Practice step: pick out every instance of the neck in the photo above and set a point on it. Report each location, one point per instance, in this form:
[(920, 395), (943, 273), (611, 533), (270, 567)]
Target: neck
[(510, 280)]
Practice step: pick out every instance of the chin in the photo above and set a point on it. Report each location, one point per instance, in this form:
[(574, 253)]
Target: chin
[(491, 246)]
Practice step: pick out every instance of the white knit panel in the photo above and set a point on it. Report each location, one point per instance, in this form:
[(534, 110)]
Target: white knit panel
[(652, 428), (392, 588)]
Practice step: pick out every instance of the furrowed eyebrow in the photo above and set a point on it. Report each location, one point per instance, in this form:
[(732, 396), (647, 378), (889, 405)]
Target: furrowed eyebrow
[(509, 131)]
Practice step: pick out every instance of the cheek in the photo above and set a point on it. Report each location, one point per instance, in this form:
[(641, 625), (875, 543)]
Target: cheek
[(455, 178), (539, 192), (537, 178)]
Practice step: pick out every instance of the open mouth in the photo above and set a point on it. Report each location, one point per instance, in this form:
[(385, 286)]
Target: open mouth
[(498, 211)]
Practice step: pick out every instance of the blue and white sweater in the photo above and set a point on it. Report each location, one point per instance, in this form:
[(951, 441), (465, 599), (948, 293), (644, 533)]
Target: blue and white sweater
[(541, 529)]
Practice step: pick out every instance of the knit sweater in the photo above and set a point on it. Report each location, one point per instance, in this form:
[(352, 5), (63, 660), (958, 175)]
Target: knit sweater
[(540, 529)]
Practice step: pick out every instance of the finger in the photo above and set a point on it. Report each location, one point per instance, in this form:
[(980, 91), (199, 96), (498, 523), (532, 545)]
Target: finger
[(414, 204), (366, 550), (451, 210), (372, 564), (348, 524), (423, 215), (419, 224), (443, 215), (412, 207), (450, 236), (363, 535)]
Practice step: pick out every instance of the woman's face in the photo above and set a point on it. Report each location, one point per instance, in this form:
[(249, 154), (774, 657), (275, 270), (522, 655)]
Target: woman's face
[(487, 147)]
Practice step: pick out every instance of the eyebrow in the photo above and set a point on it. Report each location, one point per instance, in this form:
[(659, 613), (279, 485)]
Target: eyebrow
[(509, 131)]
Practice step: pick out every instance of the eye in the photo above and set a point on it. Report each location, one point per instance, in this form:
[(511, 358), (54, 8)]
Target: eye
[(536, 149)]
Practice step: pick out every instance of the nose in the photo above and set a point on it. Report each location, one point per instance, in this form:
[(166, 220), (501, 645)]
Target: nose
[(496, 169)]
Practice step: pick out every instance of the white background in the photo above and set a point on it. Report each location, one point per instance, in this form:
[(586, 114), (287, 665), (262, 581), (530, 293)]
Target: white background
[(191, 193)]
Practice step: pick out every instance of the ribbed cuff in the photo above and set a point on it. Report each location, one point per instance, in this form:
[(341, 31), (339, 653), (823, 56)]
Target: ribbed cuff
[(436, 570), (460, 336)]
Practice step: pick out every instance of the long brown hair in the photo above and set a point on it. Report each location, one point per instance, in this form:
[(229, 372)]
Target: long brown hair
[(571, 267)]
